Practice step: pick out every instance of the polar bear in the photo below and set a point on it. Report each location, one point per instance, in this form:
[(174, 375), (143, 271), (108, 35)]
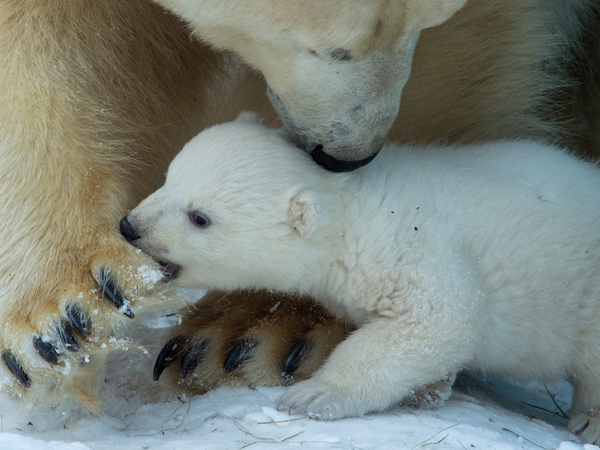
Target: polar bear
[(97, 97), (485, 257), (338, 78)]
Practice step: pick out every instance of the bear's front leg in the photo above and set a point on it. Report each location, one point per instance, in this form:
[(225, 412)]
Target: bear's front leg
[(380, 364), (95, 98)]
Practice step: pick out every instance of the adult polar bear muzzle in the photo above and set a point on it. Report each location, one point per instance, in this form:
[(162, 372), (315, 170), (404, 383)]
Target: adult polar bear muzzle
[(342, 110), (328, 138)]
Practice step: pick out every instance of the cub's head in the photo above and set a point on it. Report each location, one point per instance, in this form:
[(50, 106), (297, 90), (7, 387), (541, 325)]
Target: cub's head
[(236, 211)]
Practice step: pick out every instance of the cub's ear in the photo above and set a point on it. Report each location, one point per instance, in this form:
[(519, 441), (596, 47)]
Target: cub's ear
[(302, 214), (249, 117)]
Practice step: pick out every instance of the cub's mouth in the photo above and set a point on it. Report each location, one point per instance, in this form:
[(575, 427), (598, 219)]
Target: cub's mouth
[(170, 270)]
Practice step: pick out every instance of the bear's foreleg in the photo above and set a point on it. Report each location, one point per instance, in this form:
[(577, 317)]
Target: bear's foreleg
[(380, 364), (95, 98)]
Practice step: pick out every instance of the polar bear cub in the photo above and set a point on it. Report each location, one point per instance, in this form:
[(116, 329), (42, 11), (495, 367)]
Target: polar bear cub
[(484, 257)]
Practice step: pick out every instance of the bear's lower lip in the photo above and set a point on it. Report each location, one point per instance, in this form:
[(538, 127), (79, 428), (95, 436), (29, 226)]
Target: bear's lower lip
[(170, 271)]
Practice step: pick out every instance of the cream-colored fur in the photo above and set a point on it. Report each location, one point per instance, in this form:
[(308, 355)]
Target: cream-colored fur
[(484, 257), (96, 97)]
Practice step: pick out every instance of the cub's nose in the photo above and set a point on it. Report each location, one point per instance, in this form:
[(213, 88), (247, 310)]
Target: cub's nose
[(127, 230)]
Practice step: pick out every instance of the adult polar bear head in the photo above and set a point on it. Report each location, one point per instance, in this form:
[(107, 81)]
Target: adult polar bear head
[(209, 236), (335, 68)]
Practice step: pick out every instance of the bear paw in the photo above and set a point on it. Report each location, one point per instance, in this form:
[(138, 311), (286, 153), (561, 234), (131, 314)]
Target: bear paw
[(53, 336), (248, 338), (586, 426)]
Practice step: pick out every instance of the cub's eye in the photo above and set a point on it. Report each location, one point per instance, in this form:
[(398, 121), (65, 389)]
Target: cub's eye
[(199, 219)]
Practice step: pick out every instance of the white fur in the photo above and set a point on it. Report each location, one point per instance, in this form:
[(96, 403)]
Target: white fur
[(486, 257)]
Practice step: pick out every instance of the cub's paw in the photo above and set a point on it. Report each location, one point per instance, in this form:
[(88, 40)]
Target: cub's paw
[(249, 338), (431, 396), (317, 400), (55, 331), (586, 426)]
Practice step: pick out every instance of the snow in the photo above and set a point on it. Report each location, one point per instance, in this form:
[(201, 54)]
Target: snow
[(483, 413)]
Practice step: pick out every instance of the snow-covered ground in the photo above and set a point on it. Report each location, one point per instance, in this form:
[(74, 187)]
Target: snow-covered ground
[(483, 413)]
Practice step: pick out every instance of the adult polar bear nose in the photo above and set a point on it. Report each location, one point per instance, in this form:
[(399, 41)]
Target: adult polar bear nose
[(127, 230)]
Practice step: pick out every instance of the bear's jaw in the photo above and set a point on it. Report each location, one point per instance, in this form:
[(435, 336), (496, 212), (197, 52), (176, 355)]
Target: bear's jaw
[(170, 270)]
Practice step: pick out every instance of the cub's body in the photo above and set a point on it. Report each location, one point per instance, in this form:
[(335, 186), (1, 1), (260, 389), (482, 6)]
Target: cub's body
[(484, 256)]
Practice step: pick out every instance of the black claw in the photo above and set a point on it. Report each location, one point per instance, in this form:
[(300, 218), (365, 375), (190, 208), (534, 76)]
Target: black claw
[(110, 290), (583, 428), (293, 361), (167, 355), (14, 366), (192, 358), (240, 354), (66, 336), (79, 320), (46, 350)]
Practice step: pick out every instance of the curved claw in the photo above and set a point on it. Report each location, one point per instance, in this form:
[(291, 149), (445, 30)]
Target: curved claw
[(79, 320), (46, 350), (582, 429), (14, 366), (109, 289), (167, 355), (192, 358), (66, 336), (240, 353), (293, 361)]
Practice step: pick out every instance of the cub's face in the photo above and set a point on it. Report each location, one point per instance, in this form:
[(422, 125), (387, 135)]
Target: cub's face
[(226, 215), (335, 68)]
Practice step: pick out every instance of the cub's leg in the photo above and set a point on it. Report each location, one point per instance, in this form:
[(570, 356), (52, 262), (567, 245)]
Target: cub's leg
[(381, 363)]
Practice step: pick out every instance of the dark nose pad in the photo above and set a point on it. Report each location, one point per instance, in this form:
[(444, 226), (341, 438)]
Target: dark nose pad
[(127, 230), (337, 165)]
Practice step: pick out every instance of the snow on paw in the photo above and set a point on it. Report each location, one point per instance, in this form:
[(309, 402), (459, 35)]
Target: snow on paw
[(586, 426), (55, 341), (248, 338)]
